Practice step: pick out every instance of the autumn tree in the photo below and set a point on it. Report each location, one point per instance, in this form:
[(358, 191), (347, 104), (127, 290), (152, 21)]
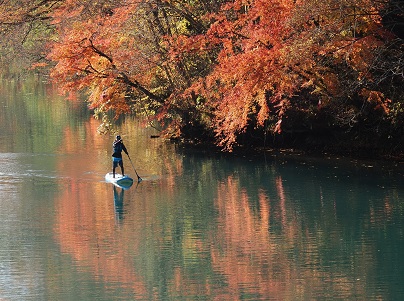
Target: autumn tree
[(231, 69), (24, 30), (282, 64), (349, 46), (118, 52)]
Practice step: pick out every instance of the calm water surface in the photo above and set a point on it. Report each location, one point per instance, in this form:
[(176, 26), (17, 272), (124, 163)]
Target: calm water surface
[(198, 227)]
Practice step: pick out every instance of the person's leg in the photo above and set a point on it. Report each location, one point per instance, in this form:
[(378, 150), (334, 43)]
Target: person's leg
[(114, 165), (121, 165)]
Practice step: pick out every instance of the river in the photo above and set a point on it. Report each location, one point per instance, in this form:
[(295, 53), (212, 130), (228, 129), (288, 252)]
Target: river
[(200, 226)]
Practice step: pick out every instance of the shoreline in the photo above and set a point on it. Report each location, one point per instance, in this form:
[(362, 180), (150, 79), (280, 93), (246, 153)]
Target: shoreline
[(355, 154)]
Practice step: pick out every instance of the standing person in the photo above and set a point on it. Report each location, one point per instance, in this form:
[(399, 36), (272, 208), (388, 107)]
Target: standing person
[(118, 147)]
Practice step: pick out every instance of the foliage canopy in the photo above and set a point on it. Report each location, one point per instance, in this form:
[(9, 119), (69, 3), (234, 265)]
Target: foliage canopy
[(231, 70)]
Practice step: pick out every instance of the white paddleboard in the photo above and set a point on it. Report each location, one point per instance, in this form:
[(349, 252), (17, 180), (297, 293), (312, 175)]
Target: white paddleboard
[(119, 180)]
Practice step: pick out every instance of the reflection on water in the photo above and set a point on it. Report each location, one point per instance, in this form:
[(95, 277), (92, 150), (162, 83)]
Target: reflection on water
[(199, 226), (248, 231), (118, 203)]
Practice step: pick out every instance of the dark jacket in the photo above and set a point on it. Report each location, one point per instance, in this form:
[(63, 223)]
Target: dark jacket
[(118, 147)]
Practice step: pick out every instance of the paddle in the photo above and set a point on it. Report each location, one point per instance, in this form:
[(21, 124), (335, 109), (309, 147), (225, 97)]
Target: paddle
[(138, 178)]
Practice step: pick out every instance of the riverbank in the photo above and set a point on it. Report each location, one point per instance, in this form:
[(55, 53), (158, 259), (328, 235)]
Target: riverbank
[(387, 155), (372, 144)]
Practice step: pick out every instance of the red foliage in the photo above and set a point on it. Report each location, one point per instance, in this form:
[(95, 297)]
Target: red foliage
[(245, 68), (270, 50), (95, 53)]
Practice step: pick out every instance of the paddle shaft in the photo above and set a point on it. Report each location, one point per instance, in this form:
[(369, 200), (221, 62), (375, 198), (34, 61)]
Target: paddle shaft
[(138, 178)]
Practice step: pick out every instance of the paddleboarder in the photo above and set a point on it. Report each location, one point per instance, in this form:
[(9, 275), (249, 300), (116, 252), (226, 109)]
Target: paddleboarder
[(118, 147)]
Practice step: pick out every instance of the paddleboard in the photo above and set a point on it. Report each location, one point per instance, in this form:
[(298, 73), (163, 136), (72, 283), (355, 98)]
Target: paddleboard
[(124, 182)]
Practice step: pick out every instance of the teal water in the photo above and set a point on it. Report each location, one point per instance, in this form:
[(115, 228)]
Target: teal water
[(200, 226)]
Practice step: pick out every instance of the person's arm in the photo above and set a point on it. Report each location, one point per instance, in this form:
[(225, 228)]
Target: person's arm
[(124, 149)]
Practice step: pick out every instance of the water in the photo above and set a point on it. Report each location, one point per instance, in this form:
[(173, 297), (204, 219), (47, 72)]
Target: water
[(199, 226)]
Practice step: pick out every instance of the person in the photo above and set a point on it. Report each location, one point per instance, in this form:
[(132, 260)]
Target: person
[(118, 147)]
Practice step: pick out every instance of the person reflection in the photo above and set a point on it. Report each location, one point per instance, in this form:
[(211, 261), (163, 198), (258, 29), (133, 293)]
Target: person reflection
[(118, 203)]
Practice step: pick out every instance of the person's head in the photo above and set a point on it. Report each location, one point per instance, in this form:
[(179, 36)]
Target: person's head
[(118, 137)]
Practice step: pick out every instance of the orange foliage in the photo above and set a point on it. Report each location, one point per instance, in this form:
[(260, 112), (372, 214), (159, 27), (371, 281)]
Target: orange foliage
[(377, 99), (248, 66), (94, 53), (241, 66), (271, 50)]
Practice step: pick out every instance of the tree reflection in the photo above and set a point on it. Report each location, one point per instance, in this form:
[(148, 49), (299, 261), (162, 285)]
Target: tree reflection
[(118, 203), (216, 230)]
